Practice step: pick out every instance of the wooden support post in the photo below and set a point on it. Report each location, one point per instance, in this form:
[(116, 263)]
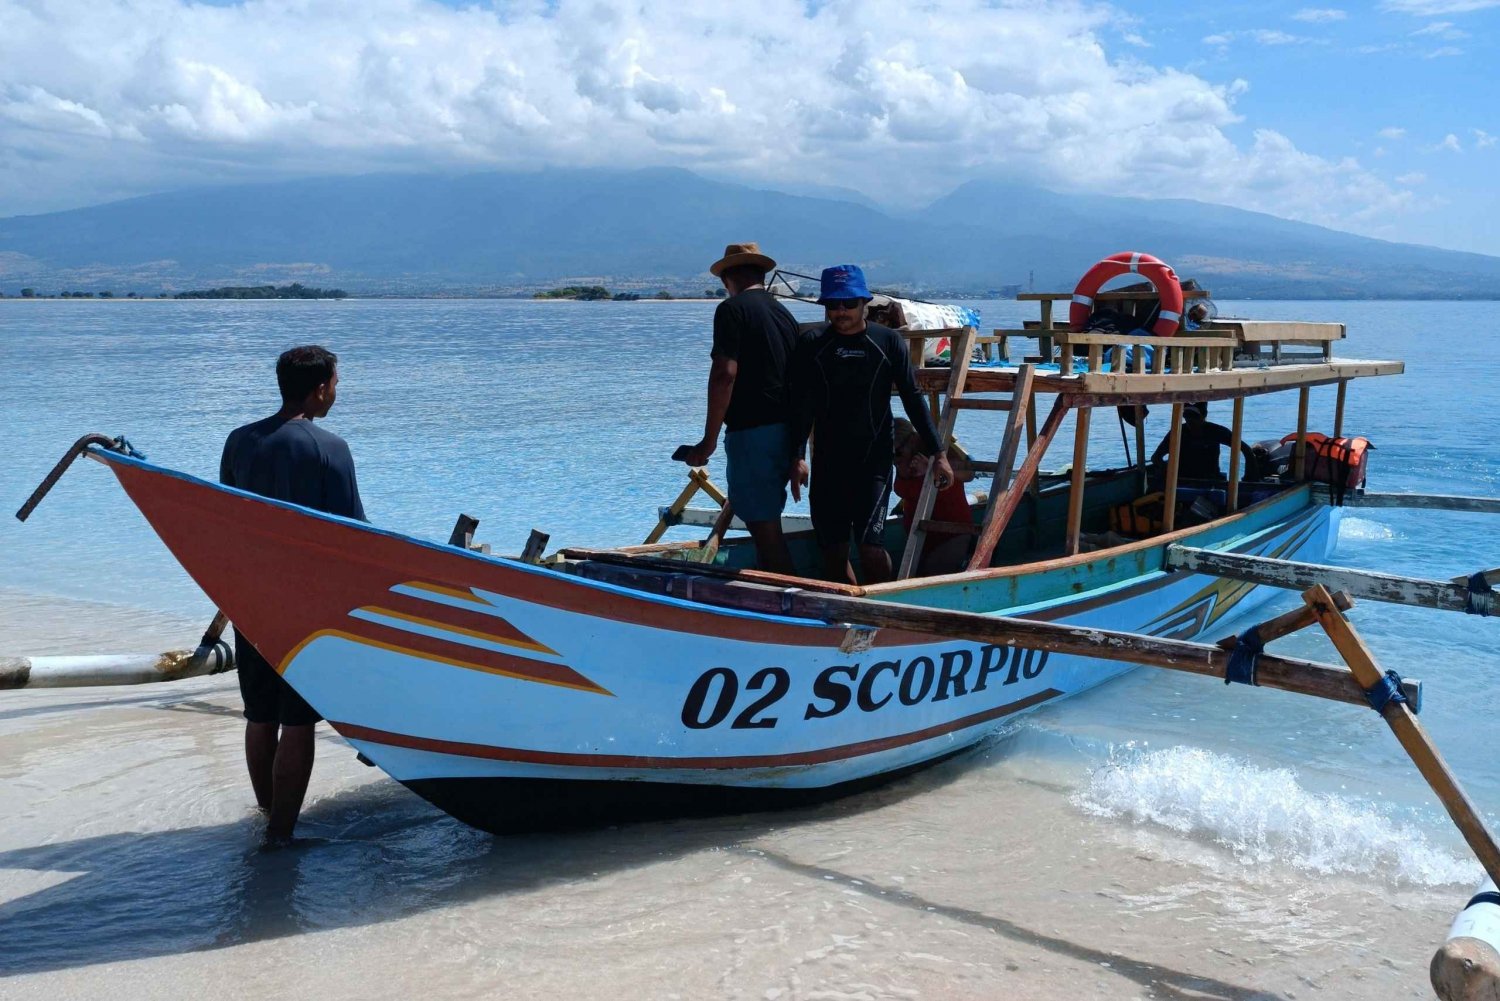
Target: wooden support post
[(1096, 356), (1174, 461), (536, 543), (1080, 474), (1338, 408), (1003, 508), (463, 531), (1035, 486), (958, 374), (1299, 460), (1403, 723), (1237, 428), (707, 486), (663, 520), (1286, 623), (710, 548), (1159, 360)]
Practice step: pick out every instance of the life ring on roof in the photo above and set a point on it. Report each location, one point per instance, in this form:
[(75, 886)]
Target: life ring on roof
[(1161, 277)]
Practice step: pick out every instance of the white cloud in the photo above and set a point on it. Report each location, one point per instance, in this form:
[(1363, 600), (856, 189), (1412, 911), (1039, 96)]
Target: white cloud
[(1319, 15), (1442, 29), (1414, 178), (1132, 38), (1450, 144), (1391, 132), (1369, 50), (102, 98), (1437, 8), (1445, 52), (1267, 36), (1483, 140)]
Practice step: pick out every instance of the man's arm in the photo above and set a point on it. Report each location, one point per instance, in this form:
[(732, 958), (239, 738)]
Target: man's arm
[(721, 376)]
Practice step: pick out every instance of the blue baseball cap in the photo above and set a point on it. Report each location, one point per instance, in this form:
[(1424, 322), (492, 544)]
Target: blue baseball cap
[(843, 281)]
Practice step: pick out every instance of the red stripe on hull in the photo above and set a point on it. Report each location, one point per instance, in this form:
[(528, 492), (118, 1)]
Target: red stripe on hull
[(250, 556), (460, 655), (473, 623), (353, 731)]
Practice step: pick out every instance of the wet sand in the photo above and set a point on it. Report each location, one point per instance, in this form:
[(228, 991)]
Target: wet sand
[(128, 870)]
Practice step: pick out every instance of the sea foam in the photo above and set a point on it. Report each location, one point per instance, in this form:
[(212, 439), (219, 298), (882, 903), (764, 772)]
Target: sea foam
[(1265, 815), (1353, 529)]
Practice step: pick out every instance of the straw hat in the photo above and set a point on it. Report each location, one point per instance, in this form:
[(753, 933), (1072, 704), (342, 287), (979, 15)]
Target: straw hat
[(741, 253)]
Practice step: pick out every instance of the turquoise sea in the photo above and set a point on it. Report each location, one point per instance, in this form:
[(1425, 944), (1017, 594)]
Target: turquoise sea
[(562, 416)]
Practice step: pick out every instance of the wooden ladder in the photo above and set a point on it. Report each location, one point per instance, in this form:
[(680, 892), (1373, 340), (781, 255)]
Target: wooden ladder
[(1018, 407)]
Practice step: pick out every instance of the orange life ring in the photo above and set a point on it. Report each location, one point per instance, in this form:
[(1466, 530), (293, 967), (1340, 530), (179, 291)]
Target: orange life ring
[(1161, 277)]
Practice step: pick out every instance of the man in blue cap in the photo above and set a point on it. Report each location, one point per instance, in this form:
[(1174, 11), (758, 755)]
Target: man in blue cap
[(842, 376)]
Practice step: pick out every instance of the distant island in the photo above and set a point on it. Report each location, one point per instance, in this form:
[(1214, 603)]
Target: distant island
[(598, 293), (296, 290)]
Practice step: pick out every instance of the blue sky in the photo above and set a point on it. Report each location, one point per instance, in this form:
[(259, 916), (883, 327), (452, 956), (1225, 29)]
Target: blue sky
[(1409, 89), (1377, 119)]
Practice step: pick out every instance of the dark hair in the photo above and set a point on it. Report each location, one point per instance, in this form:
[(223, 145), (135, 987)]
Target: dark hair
[(744, 274), (302, 370)]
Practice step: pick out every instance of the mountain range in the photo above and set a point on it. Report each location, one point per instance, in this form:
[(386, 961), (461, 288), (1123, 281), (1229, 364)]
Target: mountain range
[(495, 233)]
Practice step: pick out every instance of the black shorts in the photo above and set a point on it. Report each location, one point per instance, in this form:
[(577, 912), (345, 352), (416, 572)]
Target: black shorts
[(847, 502), (267, 696)]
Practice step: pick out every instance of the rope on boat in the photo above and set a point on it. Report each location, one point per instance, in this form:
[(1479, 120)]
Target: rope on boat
[(1386, 691), (1244, 658), (1481, 596)]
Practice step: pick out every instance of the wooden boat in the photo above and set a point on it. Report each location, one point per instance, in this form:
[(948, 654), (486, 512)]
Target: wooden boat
[(611, 685)]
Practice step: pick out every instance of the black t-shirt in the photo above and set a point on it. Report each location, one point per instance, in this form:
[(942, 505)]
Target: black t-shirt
[(841, 390), (756, 331), (293, 460), (1199, 451)]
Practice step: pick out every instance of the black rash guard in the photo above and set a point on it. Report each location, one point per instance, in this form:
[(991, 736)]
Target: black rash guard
[(841, 391)]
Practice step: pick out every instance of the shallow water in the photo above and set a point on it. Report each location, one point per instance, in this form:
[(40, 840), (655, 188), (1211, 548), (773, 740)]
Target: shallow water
[(127, 838)]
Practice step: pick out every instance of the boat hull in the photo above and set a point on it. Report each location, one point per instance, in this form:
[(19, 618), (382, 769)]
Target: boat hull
[(518, 697)]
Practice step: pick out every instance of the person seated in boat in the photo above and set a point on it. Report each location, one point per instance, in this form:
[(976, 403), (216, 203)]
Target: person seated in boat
[(842, 376), (1198, 457), (754, 337), (942, 552), (287, 457)]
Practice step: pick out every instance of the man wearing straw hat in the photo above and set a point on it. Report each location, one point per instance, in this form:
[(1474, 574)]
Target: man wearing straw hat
[(754, 337)]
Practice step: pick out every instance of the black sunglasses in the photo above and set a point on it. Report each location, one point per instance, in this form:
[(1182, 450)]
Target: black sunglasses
[(843, 303)]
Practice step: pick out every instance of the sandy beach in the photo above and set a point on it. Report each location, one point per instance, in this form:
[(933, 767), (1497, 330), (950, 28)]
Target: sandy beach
[(128, 869)]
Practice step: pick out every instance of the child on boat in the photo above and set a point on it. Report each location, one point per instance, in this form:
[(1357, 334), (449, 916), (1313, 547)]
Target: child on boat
[(942, 552)]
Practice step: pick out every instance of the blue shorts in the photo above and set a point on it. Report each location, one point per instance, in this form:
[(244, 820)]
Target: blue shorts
[(759, 460)]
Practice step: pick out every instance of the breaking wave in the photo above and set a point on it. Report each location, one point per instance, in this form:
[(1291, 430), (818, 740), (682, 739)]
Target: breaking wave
[(1265, 815)]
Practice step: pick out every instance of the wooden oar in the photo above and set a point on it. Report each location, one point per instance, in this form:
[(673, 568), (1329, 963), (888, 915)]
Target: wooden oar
[(1403, 723)]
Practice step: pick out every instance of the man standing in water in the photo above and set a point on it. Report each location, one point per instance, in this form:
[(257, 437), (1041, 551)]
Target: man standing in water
[(285, 457), (754, 337), (842, 376)]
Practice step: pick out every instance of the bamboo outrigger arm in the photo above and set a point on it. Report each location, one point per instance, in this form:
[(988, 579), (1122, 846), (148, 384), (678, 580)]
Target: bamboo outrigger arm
[(1289, 674), (212, 656), (1430, 502), (1448, 595)]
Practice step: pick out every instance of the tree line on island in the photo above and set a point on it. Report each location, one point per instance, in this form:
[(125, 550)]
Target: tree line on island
[(296, 290), (598, 293)]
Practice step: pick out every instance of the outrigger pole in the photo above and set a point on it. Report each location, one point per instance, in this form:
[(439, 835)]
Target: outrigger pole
[(1474, 594)]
